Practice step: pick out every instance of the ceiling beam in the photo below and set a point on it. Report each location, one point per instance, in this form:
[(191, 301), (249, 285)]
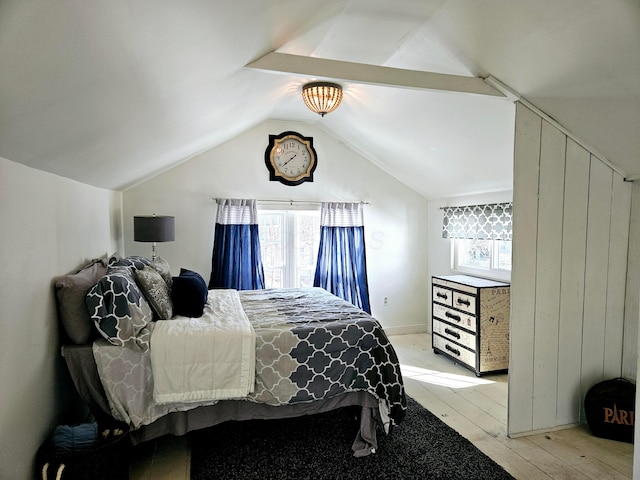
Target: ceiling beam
[(371, 74)]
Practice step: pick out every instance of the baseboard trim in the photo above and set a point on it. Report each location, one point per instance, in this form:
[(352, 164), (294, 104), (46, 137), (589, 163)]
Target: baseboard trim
[(543, 430), (405, 330)]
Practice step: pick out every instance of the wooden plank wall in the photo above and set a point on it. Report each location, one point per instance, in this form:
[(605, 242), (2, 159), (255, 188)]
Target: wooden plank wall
[(631, 338), (570, 238)]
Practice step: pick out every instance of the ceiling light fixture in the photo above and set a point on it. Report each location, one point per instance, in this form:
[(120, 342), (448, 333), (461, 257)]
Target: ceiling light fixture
[(322, 97)]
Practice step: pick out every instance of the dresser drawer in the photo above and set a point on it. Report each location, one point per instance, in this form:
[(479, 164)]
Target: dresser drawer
[(442, 295), (470, 321), (455, 334), (454, 350), (464, 302), (453, 316)]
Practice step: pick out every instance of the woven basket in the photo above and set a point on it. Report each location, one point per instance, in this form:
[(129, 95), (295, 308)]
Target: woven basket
[(107, 460)]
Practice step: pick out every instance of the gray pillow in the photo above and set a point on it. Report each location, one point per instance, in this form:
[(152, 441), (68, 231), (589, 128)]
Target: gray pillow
[(71, 291), (156, 291)]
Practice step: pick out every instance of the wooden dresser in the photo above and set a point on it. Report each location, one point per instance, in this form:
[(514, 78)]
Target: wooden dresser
[(470, 321)]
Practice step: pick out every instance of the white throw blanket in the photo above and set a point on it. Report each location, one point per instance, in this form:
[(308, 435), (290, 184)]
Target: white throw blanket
[(206, 358)]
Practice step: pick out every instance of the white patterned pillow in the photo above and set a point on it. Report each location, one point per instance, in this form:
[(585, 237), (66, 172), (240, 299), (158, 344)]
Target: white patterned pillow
[(119, 310), (161, 266), (156, 291)]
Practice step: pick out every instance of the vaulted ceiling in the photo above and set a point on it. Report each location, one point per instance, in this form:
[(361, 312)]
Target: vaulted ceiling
[(110, 92)]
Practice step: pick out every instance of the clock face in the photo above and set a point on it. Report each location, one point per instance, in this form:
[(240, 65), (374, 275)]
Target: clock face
[(290, 158)]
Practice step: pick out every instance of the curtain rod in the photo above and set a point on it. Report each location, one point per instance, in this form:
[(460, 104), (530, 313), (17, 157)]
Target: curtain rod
[(291, 202), (473, 206)]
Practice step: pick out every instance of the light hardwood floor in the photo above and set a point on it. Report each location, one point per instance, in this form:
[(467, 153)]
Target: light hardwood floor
[(475, 407)]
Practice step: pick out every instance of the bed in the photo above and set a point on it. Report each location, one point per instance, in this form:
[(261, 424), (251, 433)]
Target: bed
[(312, 352)]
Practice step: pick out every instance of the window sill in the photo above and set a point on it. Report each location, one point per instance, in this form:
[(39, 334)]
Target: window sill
[(488, 274)]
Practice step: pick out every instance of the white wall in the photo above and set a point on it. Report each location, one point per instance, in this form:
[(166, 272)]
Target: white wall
[(50, 226), (395, 220), (570, 240)]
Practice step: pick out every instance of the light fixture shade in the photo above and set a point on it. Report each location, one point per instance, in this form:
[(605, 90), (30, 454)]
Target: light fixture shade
[(154, 228), (322, 97)]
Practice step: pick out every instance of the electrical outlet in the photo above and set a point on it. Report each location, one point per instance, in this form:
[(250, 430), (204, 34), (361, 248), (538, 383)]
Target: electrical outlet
[(385, 301)]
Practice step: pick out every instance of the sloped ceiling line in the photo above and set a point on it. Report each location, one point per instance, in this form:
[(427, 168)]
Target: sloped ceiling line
[(371, 74), (514, 96)]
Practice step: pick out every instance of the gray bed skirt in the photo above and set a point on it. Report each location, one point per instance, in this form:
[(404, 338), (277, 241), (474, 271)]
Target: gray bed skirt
[(82, 367)]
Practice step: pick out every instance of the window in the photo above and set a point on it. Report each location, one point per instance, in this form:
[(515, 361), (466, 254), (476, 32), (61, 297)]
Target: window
[(289, 241), (487, 258), (480, 238)]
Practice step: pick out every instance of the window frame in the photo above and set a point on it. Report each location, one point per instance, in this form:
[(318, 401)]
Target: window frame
[(492, 272), (290, 268)]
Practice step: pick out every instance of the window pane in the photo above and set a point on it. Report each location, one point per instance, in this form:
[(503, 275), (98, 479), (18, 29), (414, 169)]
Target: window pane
[(289, 241), (307, 241), (504, 254), (272, 234), (273, 277), (476, 253), (271, 239), (305, 277)]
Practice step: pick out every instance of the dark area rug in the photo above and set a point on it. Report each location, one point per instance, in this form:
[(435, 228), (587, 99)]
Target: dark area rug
[(319, 447)]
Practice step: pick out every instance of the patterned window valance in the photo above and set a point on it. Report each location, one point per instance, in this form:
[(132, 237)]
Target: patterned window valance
[(484, 222)]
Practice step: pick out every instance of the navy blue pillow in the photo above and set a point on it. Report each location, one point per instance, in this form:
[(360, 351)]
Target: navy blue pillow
[(189, 294)]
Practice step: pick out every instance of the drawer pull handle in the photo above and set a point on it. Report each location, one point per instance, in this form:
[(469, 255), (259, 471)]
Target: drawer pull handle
[(442, 295), (454, 317), (462, 301), (452, 333), (452, 350)]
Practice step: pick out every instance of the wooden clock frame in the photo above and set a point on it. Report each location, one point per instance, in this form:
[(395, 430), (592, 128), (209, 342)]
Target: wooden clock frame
[(269, 158)]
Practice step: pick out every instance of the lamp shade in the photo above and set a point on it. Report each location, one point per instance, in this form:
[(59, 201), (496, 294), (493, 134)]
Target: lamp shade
[(322, 97), (154, 228)]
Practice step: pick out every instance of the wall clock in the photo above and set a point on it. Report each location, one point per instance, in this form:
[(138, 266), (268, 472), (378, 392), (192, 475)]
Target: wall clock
[(290, 158)]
